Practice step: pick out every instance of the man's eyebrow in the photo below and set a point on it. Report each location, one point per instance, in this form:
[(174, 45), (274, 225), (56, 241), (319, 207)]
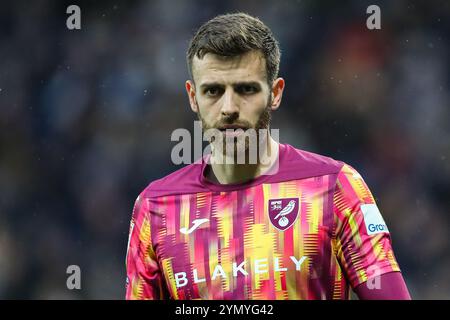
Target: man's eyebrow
[(235, 84), (210, 84), (247, 83)]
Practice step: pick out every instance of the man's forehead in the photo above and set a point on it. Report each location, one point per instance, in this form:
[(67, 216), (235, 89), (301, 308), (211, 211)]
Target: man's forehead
[(248, 66)]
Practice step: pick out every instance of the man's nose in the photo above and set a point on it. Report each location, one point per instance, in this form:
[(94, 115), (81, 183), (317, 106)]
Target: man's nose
[(229, 104)]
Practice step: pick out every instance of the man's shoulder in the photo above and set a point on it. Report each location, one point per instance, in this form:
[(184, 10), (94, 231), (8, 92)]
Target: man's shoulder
[(182, 181), (301, 164), (310, 158)]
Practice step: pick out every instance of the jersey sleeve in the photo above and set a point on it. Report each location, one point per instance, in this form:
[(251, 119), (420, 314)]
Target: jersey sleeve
[(362, 240), (391, 286), (144, 277)]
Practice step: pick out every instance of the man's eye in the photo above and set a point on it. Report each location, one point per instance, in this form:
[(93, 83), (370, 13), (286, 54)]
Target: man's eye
[(247, 89), (212, 92)]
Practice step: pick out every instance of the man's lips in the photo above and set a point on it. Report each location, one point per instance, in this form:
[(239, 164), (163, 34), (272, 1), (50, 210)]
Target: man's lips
[(231, 130), (231, 127)]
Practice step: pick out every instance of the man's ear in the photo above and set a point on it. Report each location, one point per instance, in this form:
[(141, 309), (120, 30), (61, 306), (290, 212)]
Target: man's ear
[(190, 89), (277, 93)]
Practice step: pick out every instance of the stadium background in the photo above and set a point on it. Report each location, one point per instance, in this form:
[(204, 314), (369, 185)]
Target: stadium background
[(86, 118)]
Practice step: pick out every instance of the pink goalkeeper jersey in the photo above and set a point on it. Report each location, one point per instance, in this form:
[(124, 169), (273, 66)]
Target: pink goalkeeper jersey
[(311, 231)]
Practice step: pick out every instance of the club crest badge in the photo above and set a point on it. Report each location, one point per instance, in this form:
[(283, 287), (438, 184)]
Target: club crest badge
[(283, 212)]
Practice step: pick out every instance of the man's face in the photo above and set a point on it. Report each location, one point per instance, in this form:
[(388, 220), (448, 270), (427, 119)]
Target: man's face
[(231, 92)]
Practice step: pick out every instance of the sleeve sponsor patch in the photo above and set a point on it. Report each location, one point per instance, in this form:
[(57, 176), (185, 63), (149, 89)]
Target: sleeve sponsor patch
[(373, 220)]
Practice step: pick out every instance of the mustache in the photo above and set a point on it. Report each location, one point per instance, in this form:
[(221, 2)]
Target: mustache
[(231, 121), (231, 125)]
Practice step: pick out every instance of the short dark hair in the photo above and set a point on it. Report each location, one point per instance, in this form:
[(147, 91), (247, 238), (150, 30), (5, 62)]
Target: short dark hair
[(234, 34)]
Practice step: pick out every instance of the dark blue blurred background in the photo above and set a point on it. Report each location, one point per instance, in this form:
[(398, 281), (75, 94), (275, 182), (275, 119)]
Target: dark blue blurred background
[(86, 118)]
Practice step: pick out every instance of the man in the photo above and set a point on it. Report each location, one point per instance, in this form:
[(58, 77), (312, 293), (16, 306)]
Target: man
[(290, 225)]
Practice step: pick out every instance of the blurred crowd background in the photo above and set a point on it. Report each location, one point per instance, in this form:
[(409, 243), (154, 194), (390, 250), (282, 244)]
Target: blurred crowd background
[(86, 117)]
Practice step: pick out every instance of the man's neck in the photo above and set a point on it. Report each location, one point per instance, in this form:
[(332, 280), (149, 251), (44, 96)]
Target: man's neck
[(239, 173)]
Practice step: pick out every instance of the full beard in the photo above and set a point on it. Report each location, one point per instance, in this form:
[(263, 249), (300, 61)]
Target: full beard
[(245, 146)]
